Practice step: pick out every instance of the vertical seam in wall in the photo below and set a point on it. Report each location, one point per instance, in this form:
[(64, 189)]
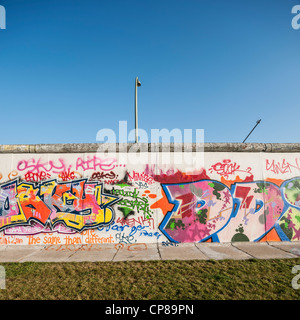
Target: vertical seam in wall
[(262, 174), (32, 148)]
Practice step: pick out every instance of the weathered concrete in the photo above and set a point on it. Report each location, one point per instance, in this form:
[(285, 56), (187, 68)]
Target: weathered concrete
[(16, 253), (93, 253), (138, 251), (150, 251), (182, 251), (262, 250), (52, 253), (220, 251), (157, 147), (291, 247)]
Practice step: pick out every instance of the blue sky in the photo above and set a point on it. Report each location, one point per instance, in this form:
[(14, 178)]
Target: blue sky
[(67, 69)]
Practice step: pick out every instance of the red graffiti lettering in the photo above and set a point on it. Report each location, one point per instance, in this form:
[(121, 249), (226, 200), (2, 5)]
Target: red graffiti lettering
[(226, 168), (37, 176), (282, 166)]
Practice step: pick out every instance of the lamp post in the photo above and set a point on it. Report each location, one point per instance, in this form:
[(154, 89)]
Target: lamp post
[(137, 84)]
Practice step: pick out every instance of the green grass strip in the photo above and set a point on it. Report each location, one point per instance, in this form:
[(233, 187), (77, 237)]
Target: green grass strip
[(163, 280)]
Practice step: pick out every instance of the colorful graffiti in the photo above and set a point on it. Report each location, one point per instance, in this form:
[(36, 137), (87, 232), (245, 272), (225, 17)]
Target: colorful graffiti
[(249, 211), (70, 199), (77, 205)]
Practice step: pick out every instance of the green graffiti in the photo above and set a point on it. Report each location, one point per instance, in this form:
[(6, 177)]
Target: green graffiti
[(292, 192), (132, 201), (287, 231), (202, 216), (173, 224), (122, 185), (239, 236), (285, 227), (126, 211), (217, 187), (262, 187)]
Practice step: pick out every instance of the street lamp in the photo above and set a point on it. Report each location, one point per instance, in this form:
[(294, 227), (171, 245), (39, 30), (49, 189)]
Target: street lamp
[(137, 84)]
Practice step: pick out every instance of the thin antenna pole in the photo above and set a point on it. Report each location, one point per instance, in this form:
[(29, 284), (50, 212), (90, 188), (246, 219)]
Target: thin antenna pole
[(136, 112), (137, 84), (257, 122)]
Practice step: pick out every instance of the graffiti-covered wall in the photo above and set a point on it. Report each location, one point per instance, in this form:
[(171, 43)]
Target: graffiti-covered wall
[(98, 198)]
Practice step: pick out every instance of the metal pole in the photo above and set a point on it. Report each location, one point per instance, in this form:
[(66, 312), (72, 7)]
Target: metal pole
[(136, 112), (257, 122)]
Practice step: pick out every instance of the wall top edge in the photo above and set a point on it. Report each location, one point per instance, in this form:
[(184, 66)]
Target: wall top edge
[(148, 147)]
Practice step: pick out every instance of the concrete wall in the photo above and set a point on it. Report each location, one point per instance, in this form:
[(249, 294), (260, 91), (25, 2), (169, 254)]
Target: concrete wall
[(75, 194)]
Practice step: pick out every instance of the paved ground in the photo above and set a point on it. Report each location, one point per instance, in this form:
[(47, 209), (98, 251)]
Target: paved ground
[(154, 251)]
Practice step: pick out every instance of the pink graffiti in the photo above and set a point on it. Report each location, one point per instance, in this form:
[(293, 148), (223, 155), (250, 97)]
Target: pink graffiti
[(201, 211), (203, 208), (33, 165), (226, 168), (140, 177), (282, 166), (96, 163)]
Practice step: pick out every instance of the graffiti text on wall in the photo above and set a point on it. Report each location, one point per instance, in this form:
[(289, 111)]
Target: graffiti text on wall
[(78, 204)]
